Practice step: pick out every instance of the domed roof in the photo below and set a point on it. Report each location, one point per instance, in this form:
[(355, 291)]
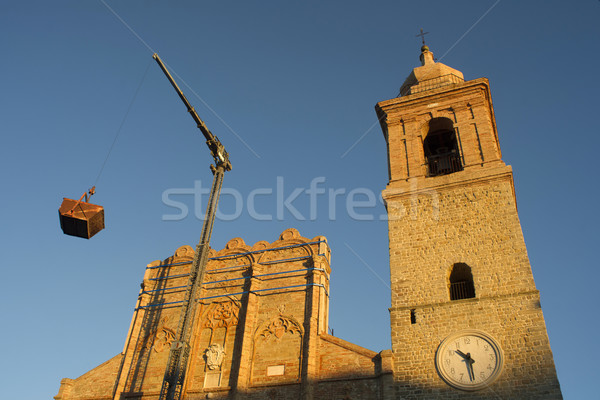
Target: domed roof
[(430, 75)]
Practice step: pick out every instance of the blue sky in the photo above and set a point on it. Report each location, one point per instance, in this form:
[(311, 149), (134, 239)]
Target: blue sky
[(289, 88)]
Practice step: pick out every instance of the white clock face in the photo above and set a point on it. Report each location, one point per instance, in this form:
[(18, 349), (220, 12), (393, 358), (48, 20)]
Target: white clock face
[(469, 360)]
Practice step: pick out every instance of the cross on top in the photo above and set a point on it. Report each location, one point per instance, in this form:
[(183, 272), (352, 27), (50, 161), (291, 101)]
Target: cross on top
[(422, 35)]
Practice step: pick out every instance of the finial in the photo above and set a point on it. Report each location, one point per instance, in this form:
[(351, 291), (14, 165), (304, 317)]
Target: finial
[(422, 35), (426, 56)]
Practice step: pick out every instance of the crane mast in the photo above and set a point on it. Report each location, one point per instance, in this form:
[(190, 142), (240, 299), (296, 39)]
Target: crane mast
[(174, 378)]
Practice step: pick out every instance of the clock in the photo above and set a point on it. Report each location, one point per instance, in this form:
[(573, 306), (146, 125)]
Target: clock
[(469, 360)]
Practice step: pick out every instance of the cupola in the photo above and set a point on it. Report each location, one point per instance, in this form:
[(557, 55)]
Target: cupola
[(430, 75)]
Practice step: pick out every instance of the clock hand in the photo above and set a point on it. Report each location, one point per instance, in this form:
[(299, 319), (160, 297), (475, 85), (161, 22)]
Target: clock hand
[(470, 363), (463, 355)]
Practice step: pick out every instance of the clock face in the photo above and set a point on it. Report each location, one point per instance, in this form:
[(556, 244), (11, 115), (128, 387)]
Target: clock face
[(469, 360)]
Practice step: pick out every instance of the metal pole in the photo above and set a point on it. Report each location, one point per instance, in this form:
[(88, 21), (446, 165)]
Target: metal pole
[(174, 379)]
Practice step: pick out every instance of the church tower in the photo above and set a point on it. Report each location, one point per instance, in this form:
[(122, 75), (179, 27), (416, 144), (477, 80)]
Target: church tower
[(465, 316)]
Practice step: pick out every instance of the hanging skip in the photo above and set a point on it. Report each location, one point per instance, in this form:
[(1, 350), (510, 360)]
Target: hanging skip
[(80, 218)]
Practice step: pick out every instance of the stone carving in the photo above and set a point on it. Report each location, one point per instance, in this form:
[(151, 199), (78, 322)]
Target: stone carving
[(163, 339), (222, 315), (280, 326), (235, 243), (185, 252), (261, 245), (288, 234), (214, 355), (160, 339)]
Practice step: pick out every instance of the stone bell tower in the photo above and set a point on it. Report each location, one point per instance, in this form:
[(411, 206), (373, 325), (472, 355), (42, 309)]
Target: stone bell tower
[(466, 317)]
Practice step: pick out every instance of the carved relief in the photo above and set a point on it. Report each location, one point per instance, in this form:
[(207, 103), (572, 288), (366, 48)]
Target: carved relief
[(222, 315), (280, 326), (290, 233), (261, 245), (235, 243), (214, 355), (185, 252), (161, 338)]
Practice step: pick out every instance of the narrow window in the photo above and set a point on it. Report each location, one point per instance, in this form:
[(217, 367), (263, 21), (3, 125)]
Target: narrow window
[(461, 282), (413, 317), (441, 148)]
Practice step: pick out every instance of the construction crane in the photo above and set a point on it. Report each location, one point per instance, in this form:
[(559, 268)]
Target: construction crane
[(172, 386)]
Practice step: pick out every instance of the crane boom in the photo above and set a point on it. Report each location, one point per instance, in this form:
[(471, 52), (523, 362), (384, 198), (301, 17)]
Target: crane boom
[(216, 148), (174, 379)]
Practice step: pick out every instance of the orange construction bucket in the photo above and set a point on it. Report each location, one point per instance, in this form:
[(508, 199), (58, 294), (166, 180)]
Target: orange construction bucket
[(81, 219)]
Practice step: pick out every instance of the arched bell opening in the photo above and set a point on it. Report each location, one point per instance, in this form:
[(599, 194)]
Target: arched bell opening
[(461, 282), (441, 148)]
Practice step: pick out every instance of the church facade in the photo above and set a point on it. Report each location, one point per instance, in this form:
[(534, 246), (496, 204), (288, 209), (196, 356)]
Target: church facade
[(466, 320), (261, 331)]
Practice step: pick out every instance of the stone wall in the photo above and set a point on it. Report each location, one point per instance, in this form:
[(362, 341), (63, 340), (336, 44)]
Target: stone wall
[(468, 217), (260, 331)]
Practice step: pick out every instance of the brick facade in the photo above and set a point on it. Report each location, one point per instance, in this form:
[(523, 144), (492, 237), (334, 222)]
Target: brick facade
[(465, 214), (260, 332)]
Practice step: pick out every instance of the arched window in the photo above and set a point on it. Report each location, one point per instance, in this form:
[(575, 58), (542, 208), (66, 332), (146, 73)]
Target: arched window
[(461, 282), (441, 147)]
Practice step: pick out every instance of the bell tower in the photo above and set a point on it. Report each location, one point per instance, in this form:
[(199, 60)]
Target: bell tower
[(465, 316)]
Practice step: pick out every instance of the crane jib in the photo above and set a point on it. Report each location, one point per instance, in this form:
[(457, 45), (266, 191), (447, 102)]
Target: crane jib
[(174, 379), (214, 144)]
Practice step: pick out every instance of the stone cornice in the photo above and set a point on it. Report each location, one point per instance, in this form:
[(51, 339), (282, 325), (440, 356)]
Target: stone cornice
[(425, 97), (414, 186)]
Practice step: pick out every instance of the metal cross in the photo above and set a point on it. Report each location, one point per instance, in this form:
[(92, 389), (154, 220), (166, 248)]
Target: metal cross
[(422, 35)]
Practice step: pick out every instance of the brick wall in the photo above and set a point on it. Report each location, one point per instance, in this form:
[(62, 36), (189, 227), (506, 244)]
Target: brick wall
[(465, 217), (260, 331)]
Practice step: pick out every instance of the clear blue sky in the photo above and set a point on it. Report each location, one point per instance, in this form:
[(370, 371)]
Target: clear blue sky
[(297, 83)]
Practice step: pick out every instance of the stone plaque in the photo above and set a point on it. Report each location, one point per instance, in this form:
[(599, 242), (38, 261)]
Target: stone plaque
[(275, 370), (212, 379)]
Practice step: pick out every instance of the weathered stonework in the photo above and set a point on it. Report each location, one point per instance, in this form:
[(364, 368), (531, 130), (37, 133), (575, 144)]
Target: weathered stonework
[(466, 215), (260, 332)]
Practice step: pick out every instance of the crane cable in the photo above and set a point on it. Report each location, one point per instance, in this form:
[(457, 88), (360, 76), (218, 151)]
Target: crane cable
[(122, 122)]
